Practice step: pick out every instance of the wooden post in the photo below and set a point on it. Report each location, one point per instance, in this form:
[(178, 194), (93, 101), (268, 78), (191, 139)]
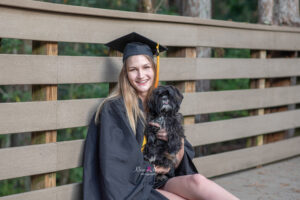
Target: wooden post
[(185, 86), (261, 84), (44, 93)]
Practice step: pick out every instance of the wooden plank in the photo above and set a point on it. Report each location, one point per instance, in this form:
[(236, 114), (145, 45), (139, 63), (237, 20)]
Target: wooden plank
[(35, 5), (35, 159), (223, 130), (65, 192), (37, 116), (100, 28), (232, 161), (39, 159), (37, 69), (208, 102)]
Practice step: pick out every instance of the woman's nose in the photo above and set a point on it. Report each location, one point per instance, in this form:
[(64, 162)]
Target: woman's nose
[(140, 73)]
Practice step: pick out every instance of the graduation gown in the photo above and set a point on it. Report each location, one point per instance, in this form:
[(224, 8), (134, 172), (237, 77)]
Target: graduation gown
[(113, 163)]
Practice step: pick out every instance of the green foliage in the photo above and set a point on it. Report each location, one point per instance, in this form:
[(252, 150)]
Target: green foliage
[(76, 175), (10, 45), (126, 5), (14, 94), (13, 186), (79, 91), (86, 49), (241, 10)]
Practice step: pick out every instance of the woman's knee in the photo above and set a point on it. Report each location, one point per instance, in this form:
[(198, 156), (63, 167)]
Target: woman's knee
[(198, 180)]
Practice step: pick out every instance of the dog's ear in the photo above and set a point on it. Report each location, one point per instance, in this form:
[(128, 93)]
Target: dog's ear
[(178, 95), (150, 102), (153, 101)]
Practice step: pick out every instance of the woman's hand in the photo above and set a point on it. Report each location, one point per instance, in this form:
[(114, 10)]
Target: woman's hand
[(161, 170), (162, 133)]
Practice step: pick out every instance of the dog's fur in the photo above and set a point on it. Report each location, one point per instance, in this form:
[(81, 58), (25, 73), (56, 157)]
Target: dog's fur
[(163, 107)]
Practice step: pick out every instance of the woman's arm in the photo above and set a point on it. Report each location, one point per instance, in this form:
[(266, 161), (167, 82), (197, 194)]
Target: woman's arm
[(180, 154)]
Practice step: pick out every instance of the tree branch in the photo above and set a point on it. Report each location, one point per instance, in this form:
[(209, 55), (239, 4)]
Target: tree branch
[(158, 5)]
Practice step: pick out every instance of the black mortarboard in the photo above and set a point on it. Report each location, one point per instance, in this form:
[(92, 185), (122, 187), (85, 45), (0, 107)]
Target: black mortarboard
[(135, 44)]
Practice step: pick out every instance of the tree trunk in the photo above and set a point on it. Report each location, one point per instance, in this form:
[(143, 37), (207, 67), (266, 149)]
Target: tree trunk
[(146, 6), (265, 11), (286, 12)]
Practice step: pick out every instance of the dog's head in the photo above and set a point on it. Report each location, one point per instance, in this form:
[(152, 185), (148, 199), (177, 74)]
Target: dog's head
[(165, 100)]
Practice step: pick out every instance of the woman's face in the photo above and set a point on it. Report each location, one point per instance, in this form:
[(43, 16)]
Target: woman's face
[(140, 74)]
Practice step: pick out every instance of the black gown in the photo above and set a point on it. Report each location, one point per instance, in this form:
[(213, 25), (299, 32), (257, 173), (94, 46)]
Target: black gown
[(113, 163)]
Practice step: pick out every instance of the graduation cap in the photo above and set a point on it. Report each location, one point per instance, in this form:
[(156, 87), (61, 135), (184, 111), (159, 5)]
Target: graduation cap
[(136, 44)]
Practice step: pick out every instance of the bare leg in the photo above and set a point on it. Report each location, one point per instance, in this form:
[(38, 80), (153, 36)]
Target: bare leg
[(170, 195), (196, 187)]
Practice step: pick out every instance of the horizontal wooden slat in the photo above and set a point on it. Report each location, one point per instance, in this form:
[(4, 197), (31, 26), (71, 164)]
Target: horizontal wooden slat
[(38, 116), (37, 69), (39, 159), (30, 160), (28, 4), (223, 130), (209, 102), (44, 21), (232, 161), (65, 192)]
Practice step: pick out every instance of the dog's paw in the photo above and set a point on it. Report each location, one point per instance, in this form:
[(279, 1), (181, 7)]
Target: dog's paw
[(152, 159)]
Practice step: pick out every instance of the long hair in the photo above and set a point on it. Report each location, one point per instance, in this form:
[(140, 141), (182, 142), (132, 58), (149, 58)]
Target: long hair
[(124, 89)]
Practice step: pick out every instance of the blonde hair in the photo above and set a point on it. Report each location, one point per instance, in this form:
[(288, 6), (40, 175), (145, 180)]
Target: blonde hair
[(124, 89)]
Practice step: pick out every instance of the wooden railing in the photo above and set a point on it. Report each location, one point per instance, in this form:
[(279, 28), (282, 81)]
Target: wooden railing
[(51, 23)]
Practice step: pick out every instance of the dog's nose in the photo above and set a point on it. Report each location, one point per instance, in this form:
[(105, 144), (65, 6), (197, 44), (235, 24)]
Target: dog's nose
[(166, 102)]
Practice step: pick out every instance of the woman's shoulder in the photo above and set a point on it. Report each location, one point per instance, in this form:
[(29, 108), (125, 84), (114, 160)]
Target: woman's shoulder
[(114, 103)]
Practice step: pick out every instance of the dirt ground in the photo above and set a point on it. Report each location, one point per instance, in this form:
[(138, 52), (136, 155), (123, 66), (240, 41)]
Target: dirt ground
[(276, 181)]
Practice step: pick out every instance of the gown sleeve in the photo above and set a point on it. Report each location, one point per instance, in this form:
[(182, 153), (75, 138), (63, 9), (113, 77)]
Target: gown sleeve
[(113, 163)]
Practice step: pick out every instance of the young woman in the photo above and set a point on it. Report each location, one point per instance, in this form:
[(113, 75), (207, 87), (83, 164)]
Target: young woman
[(114, 167)]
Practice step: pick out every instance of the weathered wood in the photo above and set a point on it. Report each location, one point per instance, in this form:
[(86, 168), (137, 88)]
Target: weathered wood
[(41, 158), (44, 93), (44, 158), (232, 129), (39, 69), (35, 5), (221, 101), (232, 161), (261, 85), (38, 116), (100, 26), (65, 192)]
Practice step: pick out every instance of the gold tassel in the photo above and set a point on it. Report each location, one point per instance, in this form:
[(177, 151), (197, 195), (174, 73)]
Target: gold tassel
[(157, 66)]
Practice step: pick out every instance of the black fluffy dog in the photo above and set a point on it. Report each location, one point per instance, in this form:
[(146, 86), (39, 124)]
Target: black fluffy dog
[(163, 107)]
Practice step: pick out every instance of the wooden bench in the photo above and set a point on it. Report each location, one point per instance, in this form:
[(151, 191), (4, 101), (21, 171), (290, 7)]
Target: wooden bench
[(47, 24)]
